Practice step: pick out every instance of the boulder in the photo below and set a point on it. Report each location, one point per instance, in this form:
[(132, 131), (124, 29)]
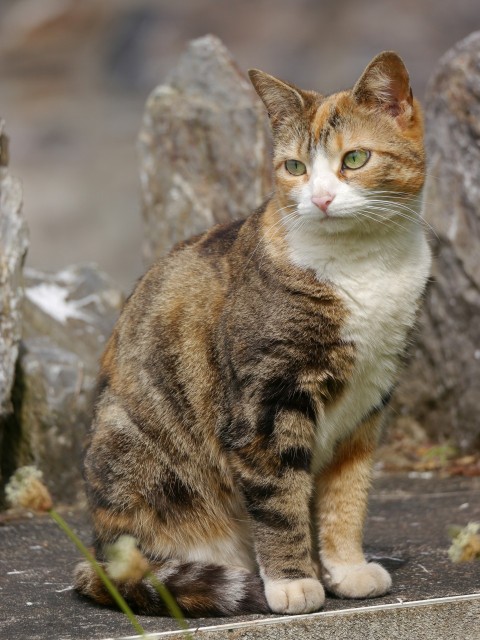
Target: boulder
[(68, 317), (13, 248), (441, 388), (76, 307), (54, 413), (204, 148)]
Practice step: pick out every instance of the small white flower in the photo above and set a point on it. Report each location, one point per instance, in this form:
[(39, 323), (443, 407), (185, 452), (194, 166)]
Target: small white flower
[(26, 489), (125, 562)]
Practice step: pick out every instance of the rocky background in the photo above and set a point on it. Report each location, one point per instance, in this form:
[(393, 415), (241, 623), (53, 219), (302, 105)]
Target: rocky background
[(441, 387), (76, 77)]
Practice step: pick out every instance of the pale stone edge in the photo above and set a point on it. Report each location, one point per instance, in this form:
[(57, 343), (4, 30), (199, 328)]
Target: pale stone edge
[(412, 604)]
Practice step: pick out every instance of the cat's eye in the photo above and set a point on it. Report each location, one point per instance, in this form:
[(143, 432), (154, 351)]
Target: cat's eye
[(295, 167), (355, 159)]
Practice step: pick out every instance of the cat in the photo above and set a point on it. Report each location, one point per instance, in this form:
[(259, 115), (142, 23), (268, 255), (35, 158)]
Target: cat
[(242, 390)]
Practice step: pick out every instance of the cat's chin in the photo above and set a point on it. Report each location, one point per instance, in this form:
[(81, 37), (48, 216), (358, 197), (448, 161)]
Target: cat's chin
[(330, 223), (342, 223)]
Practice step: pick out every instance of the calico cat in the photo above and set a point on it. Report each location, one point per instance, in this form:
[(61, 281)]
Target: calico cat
[(241, 393)]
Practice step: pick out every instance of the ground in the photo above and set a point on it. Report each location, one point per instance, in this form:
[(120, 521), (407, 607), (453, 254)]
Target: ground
[(406, 531)]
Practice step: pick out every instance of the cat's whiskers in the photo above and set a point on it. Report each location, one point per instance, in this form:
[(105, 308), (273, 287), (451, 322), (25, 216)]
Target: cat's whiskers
[(366, 213), (395, 207), (400, 201), (398, 195), (300, 223), (293, 222), (360, 207), (431, 176), (375, 209), (373, 214), (367, 208), (403, 211), (282, 219), (393, 210), (360, 219)]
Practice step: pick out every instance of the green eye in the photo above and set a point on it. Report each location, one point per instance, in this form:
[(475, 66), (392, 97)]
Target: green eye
[(295, 167), (355, 159)]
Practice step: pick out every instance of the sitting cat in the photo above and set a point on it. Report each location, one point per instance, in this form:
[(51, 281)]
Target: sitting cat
[(241, 392)]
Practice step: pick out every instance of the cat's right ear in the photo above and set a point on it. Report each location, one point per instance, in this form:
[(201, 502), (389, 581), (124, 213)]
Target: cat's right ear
[(280, 98), (385, 85)]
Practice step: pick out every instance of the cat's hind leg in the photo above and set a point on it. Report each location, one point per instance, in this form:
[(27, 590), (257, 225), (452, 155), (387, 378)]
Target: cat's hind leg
[(341, 502), (156, 486)]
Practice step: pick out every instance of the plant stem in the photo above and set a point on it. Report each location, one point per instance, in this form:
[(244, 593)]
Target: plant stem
[(99, 571), (170, 602)]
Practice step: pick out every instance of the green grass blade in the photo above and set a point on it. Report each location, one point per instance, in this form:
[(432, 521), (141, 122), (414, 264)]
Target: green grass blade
[(171, 604), (99, 571)]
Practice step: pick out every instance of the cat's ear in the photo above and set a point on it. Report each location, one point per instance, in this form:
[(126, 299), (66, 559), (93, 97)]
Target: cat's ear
[(280, 98), (385, 85)]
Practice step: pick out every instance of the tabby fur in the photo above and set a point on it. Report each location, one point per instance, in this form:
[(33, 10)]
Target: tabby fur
[(242, 390)]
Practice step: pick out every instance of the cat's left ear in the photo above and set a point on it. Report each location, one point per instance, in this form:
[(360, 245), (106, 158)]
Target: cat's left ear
[(281, 99), (385, 85)]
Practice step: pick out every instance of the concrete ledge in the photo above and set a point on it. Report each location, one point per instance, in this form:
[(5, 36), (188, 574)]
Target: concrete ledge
[(455, 618)]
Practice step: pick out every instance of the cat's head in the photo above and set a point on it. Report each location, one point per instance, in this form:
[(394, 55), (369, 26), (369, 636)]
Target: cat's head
[(353, 156)]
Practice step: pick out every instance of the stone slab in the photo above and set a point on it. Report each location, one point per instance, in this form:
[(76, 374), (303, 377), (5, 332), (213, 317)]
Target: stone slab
[(439, 618)]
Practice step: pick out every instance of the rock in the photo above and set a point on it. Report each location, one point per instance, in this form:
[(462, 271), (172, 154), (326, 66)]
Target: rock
[(77, 307), (68, 317), (54, 413), (204, 148), (13, 248), (441, 388)]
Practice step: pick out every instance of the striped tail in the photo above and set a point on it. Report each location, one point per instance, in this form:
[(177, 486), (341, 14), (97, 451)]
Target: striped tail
[(199, 589)]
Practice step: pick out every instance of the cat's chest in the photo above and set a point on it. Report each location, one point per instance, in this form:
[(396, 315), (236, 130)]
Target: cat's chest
[(378, 287), (379, 295), (380, 302)]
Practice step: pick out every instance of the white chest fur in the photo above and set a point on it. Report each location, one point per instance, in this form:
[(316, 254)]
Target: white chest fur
[(380, 278)]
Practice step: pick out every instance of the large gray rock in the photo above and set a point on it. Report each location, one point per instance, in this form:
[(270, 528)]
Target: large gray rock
[(68, 317), (441, 388), (13, 247), (204, 148), (77, 307), (54, 414)]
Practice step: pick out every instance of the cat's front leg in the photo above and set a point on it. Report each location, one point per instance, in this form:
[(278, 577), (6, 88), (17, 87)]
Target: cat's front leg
[(341, 502), (273, 465)]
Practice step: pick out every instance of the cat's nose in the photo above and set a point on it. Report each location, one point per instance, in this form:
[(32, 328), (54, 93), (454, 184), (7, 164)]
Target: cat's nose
[(323, 202)]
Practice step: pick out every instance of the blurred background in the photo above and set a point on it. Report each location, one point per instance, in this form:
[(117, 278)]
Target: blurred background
[(74, 77)]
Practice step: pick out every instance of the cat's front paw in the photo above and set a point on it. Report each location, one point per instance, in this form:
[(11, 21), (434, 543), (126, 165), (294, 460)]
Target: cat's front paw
[(294, 596), (366, 580)]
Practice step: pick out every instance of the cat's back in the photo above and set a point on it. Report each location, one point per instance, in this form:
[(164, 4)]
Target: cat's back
[(185, 288), (162, 350)]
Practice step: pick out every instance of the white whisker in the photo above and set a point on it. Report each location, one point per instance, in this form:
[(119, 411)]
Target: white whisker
[(375, 215), (283, 219), (402, 211)]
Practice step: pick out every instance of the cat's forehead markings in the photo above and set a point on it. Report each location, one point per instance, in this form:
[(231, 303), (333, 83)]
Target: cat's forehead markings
[(328, 120)]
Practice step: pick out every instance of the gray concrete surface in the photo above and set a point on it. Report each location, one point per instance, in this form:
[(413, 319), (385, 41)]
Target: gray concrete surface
[(454, 618), (431, 597)]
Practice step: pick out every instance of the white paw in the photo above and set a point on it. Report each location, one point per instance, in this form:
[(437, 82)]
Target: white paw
[(366, 580), (294, 596)]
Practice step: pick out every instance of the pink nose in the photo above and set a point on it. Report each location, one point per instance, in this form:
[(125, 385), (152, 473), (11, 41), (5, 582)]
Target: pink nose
[(323, 202)]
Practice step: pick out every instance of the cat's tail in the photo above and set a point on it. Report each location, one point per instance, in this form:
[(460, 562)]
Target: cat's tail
[(200, 589)]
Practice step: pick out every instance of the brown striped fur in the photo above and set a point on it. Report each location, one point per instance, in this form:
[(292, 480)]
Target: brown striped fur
[(216, 379)]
